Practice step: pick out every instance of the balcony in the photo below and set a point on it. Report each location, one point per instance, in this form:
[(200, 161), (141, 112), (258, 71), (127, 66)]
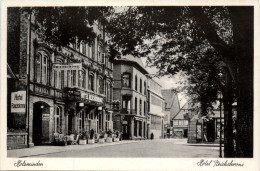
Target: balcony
[(72, 94), (128, 111)]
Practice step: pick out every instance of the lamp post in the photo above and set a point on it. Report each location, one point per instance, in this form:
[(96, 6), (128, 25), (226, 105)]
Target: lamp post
[(28, 80), (220, 138)]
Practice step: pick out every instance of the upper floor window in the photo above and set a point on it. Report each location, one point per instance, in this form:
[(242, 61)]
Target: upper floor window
[(108, 92), (84, 79), (175, 122), (84, 48), (144, 107), (144, 87), (101, 85), (91, 82), (141, 86), (126, 80), (140, 106), (136, 104), (41, 68), (79, 78), (93, 49), (73, 77), (136, 83)]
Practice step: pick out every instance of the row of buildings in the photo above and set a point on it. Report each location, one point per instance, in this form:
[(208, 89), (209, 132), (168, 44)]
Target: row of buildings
[(75, 88)]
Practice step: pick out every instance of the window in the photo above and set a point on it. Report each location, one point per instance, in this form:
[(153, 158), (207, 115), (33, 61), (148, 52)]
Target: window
[(144, 87), (44, 70), (84, 48), (181, 122), (73, 78), (84, 79), (57, 119), (108, 92), (99, 53), (175, 122), (101, 85), (68, 78), (140, 106), (141, 88), (91, 82), (62, 79), (79, 79), (93, 49), (90, 53), (135, 104), (126, 80), (41, 68), (144, 107), (136, 83), (38, 68)]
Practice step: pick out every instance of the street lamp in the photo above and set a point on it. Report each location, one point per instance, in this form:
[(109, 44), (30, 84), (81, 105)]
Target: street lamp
[(220, 138)]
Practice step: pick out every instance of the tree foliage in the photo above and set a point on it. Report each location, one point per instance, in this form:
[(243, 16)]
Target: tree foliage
[(64, 25), (203, 42)]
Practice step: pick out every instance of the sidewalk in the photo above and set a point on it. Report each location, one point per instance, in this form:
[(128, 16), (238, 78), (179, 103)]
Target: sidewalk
[(48, 149)]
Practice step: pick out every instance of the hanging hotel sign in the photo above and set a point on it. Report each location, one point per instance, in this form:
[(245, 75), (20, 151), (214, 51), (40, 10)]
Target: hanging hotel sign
[(67, 66), (91, 97), (18, 102)]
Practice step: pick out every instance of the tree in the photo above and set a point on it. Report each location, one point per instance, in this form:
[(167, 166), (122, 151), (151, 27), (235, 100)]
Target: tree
[(172, 34), (61, 26)]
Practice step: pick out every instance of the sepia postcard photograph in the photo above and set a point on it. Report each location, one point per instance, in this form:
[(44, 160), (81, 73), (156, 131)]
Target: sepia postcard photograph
[(131, 85)]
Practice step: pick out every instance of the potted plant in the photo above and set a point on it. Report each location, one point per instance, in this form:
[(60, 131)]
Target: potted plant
[(91, 139), (101, 137), (109, 136), (83, 138), (116, 138), (59, 139)]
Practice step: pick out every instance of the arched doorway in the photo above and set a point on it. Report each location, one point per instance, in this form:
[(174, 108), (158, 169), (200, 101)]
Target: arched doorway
[(41, 119), (71, 121)]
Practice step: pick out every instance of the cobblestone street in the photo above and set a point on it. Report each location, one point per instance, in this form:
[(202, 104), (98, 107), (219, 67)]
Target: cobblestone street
[(175, 148)]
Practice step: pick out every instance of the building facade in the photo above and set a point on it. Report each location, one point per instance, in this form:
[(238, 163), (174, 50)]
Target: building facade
[(129, 97), (156, 108), (180, 122), (70, 88), (171, 109)]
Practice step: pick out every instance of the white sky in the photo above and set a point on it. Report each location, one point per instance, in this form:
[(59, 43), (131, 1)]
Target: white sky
[(166, 82)]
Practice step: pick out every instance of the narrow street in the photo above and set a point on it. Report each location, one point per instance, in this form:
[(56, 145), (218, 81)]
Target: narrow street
[(173, 148)]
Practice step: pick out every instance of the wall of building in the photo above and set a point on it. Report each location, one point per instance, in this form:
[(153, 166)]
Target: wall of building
[(47, 85), (157, 126)]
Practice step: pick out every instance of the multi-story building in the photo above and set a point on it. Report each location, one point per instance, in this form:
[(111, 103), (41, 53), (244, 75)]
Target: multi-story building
[(129, 97), (172, 108), (156, 108), (70, 88)]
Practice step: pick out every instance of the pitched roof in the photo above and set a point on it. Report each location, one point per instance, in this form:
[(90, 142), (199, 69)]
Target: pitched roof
[(180, 114), (169, 97)]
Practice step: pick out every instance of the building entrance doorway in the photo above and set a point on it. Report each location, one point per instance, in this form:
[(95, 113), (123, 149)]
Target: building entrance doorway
[(126, 131), (41, 120), (71, 118), (185, 135)]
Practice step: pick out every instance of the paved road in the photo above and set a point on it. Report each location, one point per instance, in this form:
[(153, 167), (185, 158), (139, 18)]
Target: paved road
[(148, 148)]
